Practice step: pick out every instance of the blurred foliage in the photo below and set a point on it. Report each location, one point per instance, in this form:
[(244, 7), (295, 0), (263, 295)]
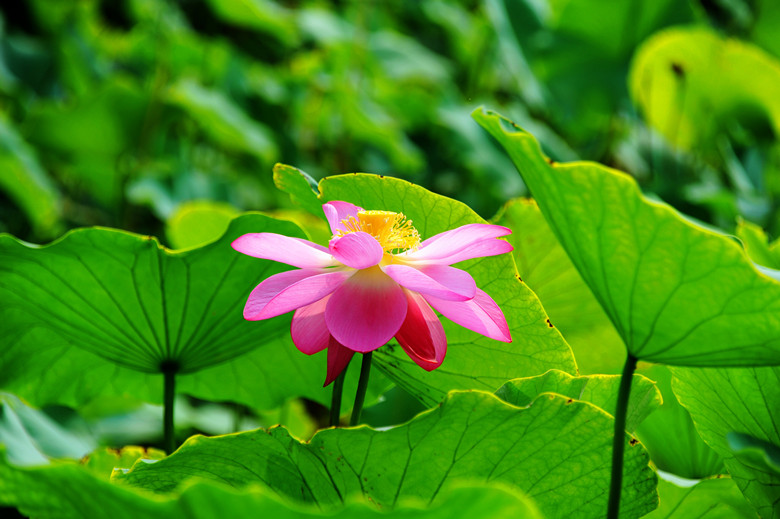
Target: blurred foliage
[(117, 112)]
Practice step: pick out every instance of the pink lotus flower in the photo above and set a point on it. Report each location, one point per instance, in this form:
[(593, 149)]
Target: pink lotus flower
[(373, 282)]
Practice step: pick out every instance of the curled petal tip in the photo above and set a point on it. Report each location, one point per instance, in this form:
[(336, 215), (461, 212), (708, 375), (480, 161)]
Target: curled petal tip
[(358, 250), (505, 231), (336, 211)]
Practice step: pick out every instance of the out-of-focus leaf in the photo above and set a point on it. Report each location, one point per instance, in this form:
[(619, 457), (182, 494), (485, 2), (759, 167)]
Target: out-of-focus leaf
[(708, 499), (763, 32), (548, 271), (671, 81), (393, 50), (472, 361), (32, 437), (676, 292), (755, 241), (744, 401), (262, 15), (756, 453), (555, 450), (26, 182), (579, 51), (599, 390), (87, 138), (222, 120), (198, 222)]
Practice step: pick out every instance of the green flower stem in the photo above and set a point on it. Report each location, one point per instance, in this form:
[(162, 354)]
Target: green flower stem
[(169, 392), (360, 396), (335, 399), (619, 437)]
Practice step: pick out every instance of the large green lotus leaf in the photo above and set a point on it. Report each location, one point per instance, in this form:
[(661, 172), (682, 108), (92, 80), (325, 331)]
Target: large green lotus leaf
[(124, 297), (599, 390), (671, 80), (548, 271), (100, 309), (472, 361), (677, 293), (556, 450), (670, 436), (744, 401), (24, 180), (708, 499), (67, 491)]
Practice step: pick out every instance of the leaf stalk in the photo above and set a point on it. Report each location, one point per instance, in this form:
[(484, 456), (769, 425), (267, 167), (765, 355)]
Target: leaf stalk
[(169, 392), (360, 395), (619, 437), (335, 399)]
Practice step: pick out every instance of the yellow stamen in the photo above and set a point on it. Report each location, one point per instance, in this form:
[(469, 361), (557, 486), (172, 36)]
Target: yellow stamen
[(392, 230)]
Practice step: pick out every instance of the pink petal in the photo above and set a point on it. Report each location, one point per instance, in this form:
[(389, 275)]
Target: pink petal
[(290, 290), (479, 250), (284, 249), (480, 314), (366, 311), (474, 240), (422, 335), (338, 359), (308, 329), (437, 280), (358, 250), (336, 211)]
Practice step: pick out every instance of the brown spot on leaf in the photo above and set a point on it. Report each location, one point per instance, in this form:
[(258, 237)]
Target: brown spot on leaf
[(633, 441), (678, 70), (549, 323)]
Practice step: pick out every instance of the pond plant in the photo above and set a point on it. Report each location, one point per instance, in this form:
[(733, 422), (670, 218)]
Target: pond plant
[(539, 335)]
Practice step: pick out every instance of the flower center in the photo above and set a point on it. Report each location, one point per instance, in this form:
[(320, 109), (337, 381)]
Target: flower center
[(392, 230)]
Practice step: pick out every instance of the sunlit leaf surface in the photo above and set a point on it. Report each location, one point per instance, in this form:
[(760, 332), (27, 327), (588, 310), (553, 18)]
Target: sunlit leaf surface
[(599, 390), (676, 292), (557, 451), (709, 499), (670, 436), (47, 492), (744, 401), (544, 266)]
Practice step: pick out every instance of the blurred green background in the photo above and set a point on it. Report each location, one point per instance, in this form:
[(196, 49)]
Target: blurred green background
[(137, 113)]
